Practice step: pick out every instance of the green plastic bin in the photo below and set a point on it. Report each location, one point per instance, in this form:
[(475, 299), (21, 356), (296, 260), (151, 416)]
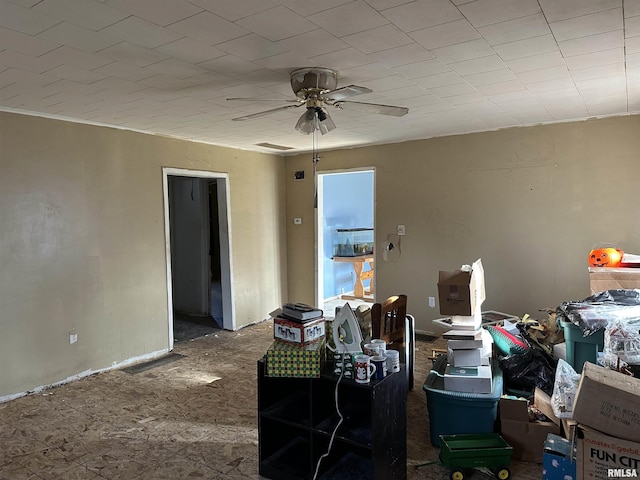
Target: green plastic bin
[(581, 349)]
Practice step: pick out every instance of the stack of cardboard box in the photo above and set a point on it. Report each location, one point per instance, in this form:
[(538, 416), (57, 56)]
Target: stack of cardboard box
[(461, 293), (607, 411)]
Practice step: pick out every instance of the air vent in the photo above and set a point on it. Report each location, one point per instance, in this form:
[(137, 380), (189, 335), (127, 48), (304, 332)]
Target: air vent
[(275, 147)]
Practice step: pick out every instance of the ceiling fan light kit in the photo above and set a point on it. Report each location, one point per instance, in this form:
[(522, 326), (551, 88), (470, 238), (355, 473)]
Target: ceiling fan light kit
[(315, 88)]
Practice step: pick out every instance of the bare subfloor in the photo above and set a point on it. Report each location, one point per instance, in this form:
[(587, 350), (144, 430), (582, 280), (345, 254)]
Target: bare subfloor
[(194, 417)]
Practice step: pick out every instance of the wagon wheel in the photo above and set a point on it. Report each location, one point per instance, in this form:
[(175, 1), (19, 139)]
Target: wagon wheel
[(456, 474), (502, 473)]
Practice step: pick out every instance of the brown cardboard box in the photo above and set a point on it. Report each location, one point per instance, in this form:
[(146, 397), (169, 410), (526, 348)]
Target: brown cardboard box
[(601, 457), (608, 401), (461, 292), (601, 279), (527, 438), (543, 403)]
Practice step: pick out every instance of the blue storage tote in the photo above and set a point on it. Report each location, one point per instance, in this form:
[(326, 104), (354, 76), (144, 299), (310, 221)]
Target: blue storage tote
[(581, 349), (453, 413)]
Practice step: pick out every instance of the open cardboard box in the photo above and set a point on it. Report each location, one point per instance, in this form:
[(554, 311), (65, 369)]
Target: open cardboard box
[(527, 437), (461, 292)]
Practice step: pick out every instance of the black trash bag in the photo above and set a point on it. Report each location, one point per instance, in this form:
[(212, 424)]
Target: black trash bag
[(533, 368)]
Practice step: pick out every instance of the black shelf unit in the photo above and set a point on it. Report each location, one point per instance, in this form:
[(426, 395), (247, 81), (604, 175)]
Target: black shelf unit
[(297, 416)]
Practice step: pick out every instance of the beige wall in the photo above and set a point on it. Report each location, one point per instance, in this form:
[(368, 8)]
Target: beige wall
[(82, 244), (531, 202)]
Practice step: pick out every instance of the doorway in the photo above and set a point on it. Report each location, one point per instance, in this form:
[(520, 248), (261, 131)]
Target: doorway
[(346, 200), (197, 250)]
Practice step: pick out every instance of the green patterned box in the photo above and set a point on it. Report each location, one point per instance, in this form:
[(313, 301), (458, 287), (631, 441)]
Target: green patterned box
[(289, 360)]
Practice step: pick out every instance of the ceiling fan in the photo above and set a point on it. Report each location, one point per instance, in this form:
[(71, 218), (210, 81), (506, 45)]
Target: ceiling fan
[(315, 88)]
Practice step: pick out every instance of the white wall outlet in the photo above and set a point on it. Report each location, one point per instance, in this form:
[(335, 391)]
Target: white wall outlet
[(432, 302), (73, 337), (297, 221), (400, 230)]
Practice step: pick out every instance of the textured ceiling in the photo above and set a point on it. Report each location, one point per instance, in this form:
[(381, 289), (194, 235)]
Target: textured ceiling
[(168, 66)]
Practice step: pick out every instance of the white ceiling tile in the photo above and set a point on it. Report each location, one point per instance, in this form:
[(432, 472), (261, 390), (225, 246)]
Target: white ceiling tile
[(231, 64), (404, 55), (526, 48), (465, 98), (439, 80), (24, 20), (306, 8), (632, 27), (276, 24), (606, 105), (378, 39), (603, 86), (141, 32), (188, 50), (512, 86), (125, 71), (287, 61), (313, 43), (208, 28), (133, 54), (551, 73), (546, 60), (392, 82), (556, 10), (20, 42), (592, 43), (91, 15), (421, 14), (347, 19), (631, 8), (251, 47), (25, 62), (81, 38), (487, 78), (478, 65), (160, 12), (463, 51), (453, 89), (347, 58), (517, 29), (173, 67), (446, 34), (233, 11), (365, 73), (422, 69), (632, 60), (632, 45), (592, 24), (487, 12), (614, 69), (76, 58), (595, 59), (509, 98), (548, 85), (75, 74)]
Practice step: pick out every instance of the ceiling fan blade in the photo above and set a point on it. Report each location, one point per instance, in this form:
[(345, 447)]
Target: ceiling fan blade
[(346, 92), (373, 108), (261, 99), (264, 113)]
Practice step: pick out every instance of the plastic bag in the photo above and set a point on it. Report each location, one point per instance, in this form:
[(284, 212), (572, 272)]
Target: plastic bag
[(533, 368), (564, 389)]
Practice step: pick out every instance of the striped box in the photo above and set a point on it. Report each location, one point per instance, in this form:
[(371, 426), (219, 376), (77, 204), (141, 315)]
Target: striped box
[(290, 360)]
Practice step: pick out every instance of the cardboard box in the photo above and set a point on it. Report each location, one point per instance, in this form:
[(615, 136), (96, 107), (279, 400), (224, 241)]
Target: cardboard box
[(568, 428), (288, 330), (470, 357), (542, 401), (608, 401), (527, 438), (289, 360), (602, 457), (601, 279), (461, 292), (468, 379), (558, 459)]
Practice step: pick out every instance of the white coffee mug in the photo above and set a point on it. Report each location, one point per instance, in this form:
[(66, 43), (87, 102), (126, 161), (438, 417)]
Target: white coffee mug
[(364, 369), (371, 349), (381, 343), (393, 361)]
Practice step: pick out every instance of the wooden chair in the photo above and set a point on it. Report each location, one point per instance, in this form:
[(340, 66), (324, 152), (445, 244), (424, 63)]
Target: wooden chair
[(390, 322)]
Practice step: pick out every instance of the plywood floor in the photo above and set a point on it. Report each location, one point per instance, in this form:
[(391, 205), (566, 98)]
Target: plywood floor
[(194, 417)]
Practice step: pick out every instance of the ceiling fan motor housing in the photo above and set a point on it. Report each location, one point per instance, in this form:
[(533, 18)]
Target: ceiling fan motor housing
[(313, 81)]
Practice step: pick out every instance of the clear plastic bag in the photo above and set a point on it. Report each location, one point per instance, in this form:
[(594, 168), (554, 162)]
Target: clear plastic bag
[(564, 389)]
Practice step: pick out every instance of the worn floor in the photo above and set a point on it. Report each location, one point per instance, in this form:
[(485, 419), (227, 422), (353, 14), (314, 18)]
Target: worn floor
[(193, 416)]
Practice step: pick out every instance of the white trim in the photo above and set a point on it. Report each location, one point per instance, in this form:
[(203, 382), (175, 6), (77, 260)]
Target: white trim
[(228, 310)]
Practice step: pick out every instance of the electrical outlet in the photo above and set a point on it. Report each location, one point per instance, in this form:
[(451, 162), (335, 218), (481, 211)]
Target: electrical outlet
[(432, 302), (400, 230), (73, 337), (297, 221)]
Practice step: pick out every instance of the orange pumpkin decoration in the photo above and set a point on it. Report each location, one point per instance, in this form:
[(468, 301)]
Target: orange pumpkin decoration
[(605, 257)]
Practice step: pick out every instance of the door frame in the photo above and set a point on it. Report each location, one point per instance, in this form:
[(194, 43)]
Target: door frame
[(224, 221), (318, 222)]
